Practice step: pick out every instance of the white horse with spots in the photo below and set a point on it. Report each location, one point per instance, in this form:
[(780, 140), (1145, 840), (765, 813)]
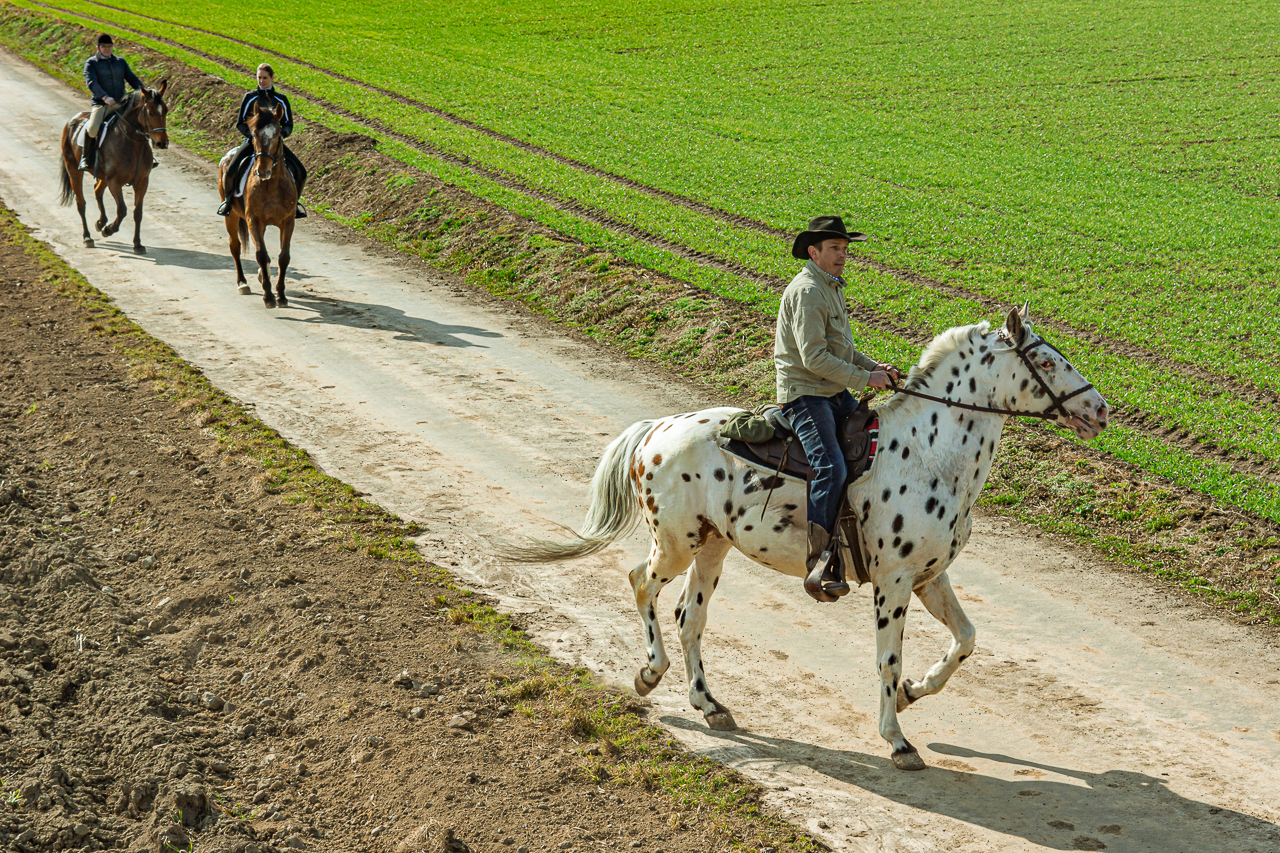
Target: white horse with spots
[(938, 438)]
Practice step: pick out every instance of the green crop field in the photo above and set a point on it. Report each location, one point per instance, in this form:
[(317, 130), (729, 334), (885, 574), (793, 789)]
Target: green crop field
[(1113, 162)]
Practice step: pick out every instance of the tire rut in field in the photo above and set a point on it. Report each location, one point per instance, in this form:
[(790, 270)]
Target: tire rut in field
[(1242, 462), (1242, 388)]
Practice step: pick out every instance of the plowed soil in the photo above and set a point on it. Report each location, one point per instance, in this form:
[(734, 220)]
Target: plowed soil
[(186, 661)]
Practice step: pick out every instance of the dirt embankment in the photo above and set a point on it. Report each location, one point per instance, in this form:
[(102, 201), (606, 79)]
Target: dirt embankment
[(189, 661)]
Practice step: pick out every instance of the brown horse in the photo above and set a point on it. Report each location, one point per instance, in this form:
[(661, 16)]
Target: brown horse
[(124, 157), (270, 198)]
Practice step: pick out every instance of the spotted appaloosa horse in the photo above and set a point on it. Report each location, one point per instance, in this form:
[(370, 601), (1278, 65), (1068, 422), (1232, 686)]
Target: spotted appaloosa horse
[(914, 505)]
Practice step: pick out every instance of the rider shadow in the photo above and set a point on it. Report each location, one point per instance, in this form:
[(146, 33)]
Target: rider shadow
[(1115, 810), (197, 260), (360, 315)]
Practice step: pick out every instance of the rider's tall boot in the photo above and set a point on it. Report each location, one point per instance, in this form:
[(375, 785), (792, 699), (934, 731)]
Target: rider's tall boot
[(89, 154), (824, 581)]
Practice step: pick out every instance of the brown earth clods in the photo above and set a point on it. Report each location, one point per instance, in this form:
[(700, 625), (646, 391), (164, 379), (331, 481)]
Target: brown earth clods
[(187, 662)]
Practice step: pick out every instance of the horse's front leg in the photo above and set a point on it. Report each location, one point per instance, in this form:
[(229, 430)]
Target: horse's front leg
[(257, 231), (235, 226), (99, 188), (940, 600), (117, 193), (139, 191), (691, 616), (892, 595), (286, 235), (647, 581)]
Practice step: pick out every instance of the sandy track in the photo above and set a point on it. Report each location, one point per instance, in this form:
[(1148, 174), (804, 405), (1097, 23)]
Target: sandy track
[(1096, 714)]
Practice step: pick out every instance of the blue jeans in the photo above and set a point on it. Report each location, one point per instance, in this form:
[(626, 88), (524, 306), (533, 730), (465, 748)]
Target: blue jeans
[(814, 419)]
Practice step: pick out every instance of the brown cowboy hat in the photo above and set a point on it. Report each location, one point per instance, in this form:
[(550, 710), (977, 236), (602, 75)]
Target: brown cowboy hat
[(823, 228)]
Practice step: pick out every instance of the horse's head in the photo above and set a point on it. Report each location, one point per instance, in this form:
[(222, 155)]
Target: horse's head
[(268, 139), (151, 114), (1043, 380)]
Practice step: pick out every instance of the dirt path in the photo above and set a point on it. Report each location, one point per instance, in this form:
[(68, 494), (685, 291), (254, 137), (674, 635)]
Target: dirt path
[(1095, 714)]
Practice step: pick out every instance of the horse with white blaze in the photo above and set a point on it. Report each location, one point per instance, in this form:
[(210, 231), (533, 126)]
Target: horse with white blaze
[(938, 438)]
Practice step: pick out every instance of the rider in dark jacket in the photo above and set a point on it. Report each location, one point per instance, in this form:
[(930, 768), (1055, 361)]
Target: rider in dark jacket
[(266, 87), (106, 76)]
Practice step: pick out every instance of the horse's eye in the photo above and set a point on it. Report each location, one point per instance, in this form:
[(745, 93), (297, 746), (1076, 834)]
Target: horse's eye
[(1047, 364)]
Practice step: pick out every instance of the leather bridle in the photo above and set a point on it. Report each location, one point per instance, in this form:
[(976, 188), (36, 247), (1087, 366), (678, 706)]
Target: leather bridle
[(1057, 404)]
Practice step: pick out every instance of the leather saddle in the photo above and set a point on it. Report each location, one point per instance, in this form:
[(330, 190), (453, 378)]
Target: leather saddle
[(858, 436)]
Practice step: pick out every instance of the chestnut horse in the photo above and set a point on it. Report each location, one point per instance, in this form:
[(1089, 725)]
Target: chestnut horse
[(124, 158), (270, 197)]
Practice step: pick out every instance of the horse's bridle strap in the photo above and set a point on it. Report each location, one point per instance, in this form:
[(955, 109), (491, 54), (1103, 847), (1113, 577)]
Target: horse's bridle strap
[(1049, 414)]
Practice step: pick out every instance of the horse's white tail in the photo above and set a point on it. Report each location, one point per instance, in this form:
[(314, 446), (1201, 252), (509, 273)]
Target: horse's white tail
[(613, 513)]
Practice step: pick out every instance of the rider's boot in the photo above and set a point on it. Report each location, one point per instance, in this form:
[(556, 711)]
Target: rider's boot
[(224, 209), (301, 212), (89, 154), (825, 581)]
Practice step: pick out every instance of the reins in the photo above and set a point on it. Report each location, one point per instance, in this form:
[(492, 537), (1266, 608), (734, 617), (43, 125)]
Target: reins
[(1057, 406)]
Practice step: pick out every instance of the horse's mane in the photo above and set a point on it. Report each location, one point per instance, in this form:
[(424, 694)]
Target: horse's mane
[(934, 354)]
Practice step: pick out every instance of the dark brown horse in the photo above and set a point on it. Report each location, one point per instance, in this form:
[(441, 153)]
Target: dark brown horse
[(124, 158), (270, 198)]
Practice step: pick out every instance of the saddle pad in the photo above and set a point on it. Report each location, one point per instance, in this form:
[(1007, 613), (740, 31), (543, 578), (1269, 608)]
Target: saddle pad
[(768, 454), (82, 130)]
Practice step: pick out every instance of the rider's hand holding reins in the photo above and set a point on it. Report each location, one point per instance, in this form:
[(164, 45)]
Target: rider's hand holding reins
[(880, 379)]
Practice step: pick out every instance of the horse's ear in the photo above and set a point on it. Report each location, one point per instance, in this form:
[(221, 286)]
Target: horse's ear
[(1025, 311), (1013, 326), (164, 84)]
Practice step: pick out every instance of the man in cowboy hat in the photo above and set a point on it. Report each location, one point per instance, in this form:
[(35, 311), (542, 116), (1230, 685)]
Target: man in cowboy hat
[(105, 75), (817, 366)]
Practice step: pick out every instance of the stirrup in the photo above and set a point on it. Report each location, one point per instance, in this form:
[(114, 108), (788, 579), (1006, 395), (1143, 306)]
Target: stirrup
[(300, 213), (823, 583)]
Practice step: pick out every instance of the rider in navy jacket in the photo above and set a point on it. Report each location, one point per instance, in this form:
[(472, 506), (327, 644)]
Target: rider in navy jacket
[(266, 87), (106, 75)]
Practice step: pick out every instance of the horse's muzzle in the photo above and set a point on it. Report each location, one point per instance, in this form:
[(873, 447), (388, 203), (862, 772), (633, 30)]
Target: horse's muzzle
[(1089, 425), (163, 144)]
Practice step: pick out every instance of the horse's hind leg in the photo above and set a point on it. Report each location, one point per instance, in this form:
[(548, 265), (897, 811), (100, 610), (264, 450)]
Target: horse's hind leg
[(940, 600), (76, 178), (691, 615), (892, 595), (647, 581), (286, 235), (139, 191)]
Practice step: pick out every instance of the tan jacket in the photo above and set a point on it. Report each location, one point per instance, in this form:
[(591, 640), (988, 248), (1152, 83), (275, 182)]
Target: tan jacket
[(813, 349)]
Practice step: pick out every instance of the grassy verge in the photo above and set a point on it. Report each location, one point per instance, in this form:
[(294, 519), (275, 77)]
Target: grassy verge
[(725, 342), (631, 752)]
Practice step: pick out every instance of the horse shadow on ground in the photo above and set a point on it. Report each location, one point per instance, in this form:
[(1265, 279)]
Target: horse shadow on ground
[(363, 315), (1116, 810), (193, 259)]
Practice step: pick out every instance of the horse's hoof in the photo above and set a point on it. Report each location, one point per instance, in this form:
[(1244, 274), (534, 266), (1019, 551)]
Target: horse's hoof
[(905, 699), (269, 302), (245, 290), (281, 301), (908, 760), (139, 250), (721, 721), (88, 244), (644, 688)]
